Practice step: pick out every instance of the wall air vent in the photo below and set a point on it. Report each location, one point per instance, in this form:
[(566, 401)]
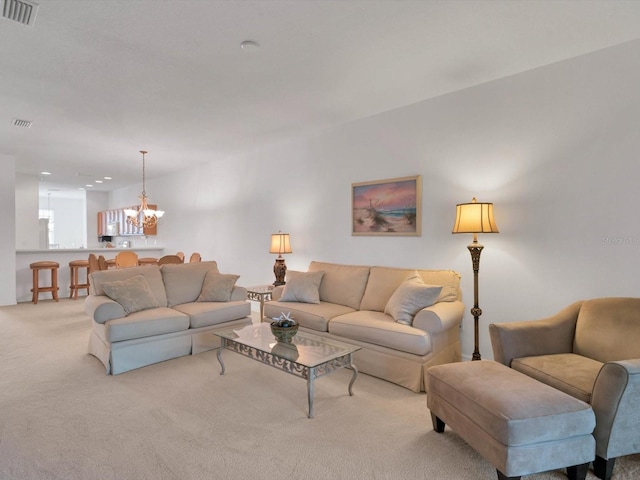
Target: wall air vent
[(16, 122), (19, 11)]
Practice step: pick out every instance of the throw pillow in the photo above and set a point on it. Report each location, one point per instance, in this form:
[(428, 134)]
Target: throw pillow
[(217, 287), (409, 298), (133, 293), (302, 287)]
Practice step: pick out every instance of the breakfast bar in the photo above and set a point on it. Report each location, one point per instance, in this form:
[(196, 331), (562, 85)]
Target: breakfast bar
[(63, 256)]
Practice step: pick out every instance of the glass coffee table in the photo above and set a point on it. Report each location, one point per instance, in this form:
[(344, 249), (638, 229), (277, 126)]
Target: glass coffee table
[(308, 356)]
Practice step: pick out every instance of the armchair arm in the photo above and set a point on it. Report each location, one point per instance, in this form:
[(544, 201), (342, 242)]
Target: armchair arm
[(616, 402), (439, 317), (535, 337), (102, 309)]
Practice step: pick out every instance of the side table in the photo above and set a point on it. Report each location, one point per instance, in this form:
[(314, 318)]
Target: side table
[(260, 293)]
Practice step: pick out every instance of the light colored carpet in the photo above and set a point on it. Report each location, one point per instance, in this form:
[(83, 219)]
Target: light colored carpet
[(61, 417)]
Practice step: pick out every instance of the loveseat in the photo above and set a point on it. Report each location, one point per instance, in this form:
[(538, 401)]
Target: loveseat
[(348, 303), (589, 350), (148, 314)]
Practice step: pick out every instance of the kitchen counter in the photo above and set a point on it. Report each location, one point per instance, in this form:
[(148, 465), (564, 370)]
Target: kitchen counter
[(63, 256)]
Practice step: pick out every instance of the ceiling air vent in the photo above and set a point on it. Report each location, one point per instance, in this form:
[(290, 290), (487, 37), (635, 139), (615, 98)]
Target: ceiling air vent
[(21, 123), (19, 11)]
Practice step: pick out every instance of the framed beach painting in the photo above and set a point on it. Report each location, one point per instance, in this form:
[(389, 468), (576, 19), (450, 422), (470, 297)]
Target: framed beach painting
[(387, 207)]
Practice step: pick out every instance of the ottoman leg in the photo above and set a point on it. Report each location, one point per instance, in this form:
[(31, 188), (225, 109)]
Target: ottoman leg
[(438, 425), (578, 472), (603, 468), (502, 476)]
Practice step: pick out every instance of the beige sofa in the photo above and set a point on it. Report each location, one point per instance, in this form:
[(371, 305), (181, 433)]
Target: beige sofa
[(170, 323), (589, 350), (351, 308)]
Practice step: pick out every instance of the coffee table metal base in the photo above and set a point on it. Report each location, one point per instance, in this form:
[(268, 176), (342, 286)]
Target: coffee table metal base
[(291, 367)]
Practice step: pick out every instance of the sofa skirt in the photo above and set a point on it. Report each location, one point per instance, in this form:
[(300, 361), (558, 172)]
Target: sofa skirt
[(120, 357)]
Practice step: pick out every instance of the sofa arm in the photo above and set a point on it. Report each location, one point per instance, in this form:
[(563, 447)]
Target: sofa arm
[(101, 308), (276, 293), (535, 337), (238, 294), (616, 402), (439, 317)]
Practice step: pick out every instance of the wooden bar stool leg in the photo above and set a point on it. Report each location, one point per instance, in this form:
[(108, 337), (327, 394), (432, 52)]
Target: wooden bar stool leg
[(54, 283), (34, 297)]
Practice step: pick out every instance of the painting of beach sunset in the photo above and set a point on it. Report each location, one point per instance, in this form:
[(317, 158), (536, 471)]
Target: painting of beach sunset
[(387, 207)]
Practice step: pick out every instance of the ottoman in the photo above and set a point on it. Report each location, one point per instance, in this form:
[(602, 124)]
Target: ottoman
[(518, 424)]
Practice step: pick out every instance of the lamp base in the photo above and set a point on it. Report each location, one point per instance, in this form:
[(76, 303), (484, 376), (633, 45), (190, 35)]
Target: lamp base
[(280, 270)]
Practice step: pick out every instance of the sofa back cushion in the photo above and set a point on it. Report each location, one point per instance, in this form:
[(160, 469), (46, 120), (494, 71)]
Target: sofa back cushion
[(383, 282), (183, 281), (341, 284), (151, 273), (606, 329)]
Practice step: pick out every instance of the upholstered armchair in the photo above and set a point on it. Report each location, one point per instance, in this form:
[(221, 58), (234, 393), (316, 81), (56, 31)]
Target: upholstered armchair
[(590, 350)]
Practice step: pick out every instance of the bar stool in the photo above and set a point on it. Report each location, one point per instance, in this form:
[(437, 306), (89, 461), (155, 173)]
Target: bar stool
[(74, 269), (53, 288)]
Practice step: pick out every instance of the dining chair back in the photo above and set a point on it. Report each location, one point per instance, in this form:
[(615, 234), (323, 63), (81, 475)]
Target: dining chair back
[(126, 259), (181, 255), (169, 259), (102, 262), (195, 257), (94, 264)]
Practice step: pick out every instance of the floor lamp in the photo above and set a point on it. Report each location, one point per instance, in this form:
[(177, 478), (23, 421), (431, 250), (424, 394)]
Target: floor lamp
[(475, 218)]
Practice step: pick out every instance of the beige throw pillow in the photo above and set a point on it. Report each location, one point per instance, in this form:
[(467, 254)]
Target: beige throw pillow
[(302, 287), (409, 298), (133, 293), (217, 287)]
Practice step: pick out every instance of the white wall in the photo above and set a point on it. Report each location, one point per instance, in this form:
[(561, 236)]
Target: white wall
[(26, 209), (70, 219), (95, 202), (556, 150), (8, 237)]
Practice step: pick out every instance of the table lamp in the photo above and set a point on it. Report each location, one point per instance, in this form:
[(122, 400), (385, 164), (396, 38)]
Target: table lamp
[(280, 244), (475, 218)]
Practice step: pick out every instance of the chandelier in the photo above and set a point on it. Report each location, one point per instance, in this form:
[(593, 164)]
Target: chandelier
[(143, 216)]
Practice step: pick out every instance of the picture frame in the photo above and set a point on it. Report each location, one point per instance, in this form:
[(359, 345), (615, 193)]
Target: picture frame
[(391, 207)]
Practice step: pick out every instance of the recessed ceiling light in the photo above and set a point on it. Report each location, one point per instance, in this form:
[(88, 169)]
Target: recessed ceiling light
[(88, 185), (80, 188), (45, 173), (249, 45), (107, 178), (99, 181)]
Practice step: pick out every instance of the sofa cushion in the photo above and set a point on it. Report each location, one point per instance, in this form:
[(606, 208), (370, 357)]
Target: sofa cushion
[(145, 323), (133, 293), (308, 315), (573, 374), (150, 272), (383, 281), (204, 314), (217, 287), (183, 281), (302, 287), (604, 327), (409, 298), (380, 329), (341, 284)]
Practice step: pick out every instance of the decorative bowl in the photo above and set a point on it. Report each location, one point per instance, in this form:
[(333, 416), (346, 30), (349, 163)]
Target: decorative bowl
[(284, 334)]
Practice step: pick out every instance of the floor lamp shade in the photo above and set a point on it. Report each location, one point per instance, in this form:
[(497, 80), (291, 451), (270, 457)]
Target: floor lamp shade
[(475, 217), (280, 244)]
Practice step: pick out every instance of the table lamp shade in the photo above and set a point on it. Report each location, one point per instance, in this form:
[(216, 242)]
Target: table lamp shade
[(280, 243), (474, 217)]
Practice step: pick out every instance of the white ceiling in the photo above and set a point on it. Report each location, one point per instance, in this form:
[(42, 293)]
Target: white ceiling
[(102, 79)]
